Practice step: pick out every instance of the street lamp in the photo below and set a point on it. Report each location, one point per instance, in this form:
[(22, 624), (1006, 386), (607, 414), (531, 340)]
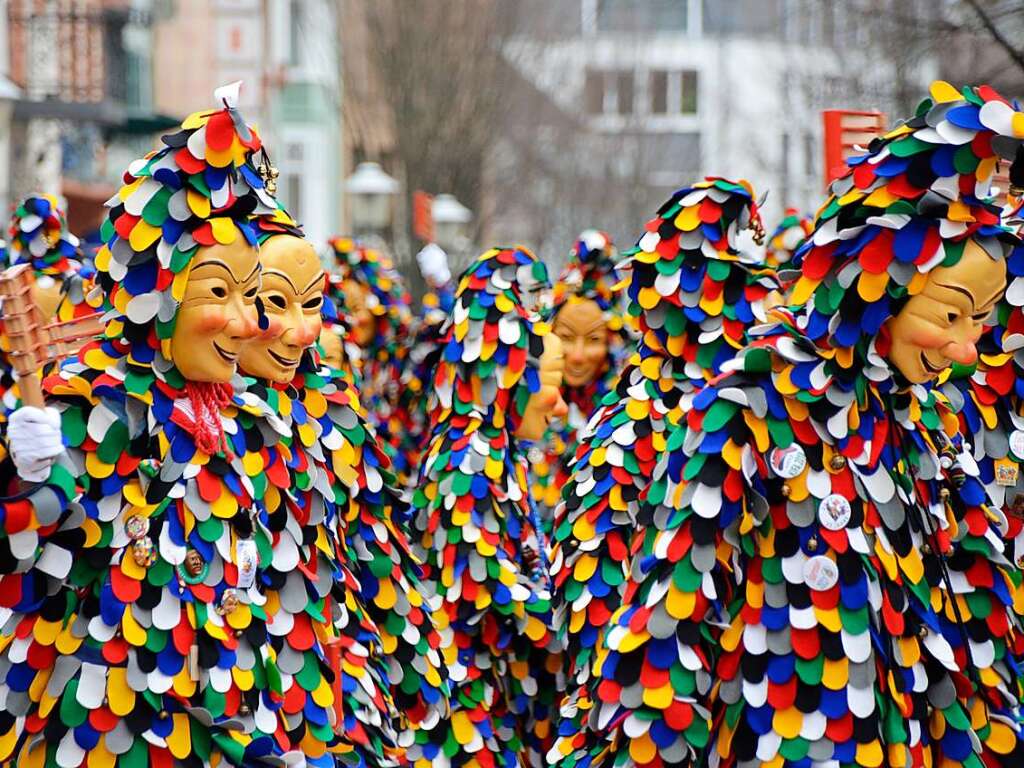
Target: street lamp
[(451, 223), (371, 192)]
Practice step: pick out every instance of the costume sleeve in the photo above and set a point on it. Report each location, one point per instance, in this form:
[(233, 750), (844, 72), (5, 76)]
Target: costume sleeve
[(42, 526), (382, 561), (982, 623), (40, 531), (472, 521), (596, 519)]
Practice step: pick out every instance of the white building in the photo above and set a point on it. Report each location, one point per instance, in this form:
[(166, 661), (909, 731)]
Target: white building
[(287, 54), (664, 92)]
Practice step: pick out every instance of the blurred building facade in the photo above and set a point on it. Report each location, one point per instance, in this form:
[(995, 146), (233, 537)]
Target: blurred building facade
[(83, 74), (646, 95), (286, 52)]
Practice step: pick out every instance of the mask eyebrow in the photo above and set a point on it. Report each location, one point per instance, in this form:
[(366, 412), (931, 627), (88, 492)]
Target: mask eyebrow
[(958, 289), (224, 266)]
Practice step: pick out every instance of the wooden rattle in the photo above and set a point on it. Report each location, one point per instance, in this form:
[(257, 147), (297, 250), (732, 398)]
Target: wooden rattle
[(34, 343)]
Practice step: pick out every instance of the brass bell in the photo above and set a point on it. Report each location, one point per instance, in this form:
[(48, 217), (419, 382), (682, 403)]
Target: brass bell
[(786, 490), (812, 544), (269, 173), (837, 462)]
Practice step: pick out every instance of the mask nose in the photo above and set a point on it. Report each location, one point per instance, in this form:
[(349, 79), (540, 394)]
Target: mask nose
[(243, 320), (300, 331), (303, 333), (574, 351), (963, 352), (561, 409)]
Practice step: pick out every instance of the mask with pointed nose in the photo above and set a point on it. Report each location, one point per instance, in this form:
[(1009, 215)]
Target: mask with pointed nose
[(940, 325), (292, 296), (217, 314)]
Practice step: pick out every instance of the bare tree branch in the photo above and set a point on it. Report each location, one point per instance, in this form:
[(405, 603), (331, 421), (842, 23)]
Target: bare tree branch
[(1015, 54)]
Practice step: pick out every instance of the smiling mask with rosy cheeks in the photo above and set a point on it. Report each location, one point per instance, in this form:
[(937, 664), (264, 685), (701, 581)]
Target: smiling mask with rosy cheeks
[(583, 329), (292, 295), (941, 324), (217, 313)]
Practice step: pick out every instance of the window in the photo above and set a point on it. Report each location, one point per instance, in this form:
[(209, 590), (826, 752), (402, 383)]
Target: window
[(609, 92), (688, 92), (747, 18), (593, 92), (659, 92), (672, 92), (624, 92), (641, 15)]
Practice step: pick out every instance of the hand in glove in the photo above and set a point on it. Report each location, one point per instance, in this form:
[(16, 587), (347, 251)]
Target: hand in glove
[(433, 263), (34, 440)]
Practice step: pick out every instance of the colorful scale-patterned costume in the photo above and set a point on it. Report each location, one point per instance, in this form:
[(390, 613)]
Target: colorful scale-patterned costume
[(177, 613), (473, 522), (590, 275), (693, 294), (786, 239), (342, 488), (39, 237), (989, 400), (415, 401), (791, 600), (380, 369)]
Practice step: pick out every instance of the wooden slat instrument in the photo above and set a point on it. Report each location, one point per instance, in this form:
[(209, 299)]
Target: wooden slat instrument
[(35, 344)]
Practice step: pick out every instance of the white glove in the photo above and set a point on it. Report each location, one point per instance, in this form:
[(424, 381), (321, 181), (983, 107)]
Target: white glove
[(34, 440), (433, 263)]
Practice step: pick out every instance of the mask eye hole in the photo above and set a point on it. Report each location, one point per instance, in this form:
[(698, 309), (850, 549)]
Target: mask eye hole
[(251, 293), (219, 291), (313, 303), (952, 316), (277, 300)]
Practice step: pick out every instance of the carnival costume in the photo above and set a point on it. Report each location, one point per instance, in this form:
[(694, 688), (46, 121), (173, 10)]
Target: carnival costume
[(391, 665), (590, 276), (818, 578), (176, 612), (693, 294), (988, 398), (473, 521), (39, 237), (416, 402), (386, 303)]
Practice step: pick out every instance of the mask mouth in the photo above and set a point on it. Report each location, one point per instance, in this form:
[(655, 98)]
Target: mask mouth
[(227, 356), (578, 373), (283, 361), (929, 367)]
